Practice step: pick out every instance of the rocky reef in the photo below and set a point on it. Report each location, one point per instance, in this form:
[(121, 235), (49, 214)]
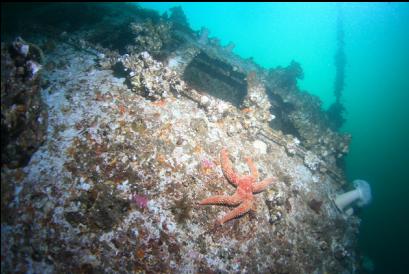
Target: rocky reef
[(133, 143), (23, 114)]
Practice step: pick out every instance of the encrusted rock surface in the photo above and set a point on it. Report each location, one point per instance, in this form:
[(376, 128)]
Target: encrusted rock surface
[(149, 36), (23, 114), (115, 186), (107, 144)]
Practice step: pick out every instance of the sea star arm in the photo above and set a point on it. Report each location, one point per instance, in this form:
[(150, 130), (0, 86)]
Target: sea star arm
[(238, 211), (227, 167), (222, 200), (258, 187), (253, 168)]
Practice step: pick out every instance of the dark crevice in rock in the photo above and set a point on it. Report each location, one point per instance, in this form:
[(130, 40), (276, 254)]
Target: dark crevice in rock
[(281, 111), (216, 78)]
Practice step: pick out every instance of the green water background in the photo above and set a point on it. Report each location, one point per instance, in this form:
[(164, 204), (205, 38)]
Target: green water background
[(376, 95)]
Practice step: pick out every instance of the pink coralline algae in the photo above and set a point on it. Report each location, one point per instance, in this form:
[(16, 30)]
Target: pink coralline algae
[(207, 165), (140, 201)]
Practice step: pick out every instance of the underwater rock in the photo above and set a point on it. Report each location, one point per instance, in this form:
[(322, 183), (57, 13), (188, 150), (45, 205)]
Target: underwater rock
[(150, 37), (260, 146), (134, 143), (178, 18), (203, 36), (96, 209), (311, 161), (149, 77), (315, 205), (29, 51), (256, 100), (20, 47), (288, 76), (23, 114), (308, 122), (229, 47)]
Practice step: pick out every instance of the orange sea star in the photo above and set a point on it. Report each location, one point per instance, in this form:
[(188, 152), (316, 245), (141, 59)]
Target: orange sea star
[(246, 186)]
